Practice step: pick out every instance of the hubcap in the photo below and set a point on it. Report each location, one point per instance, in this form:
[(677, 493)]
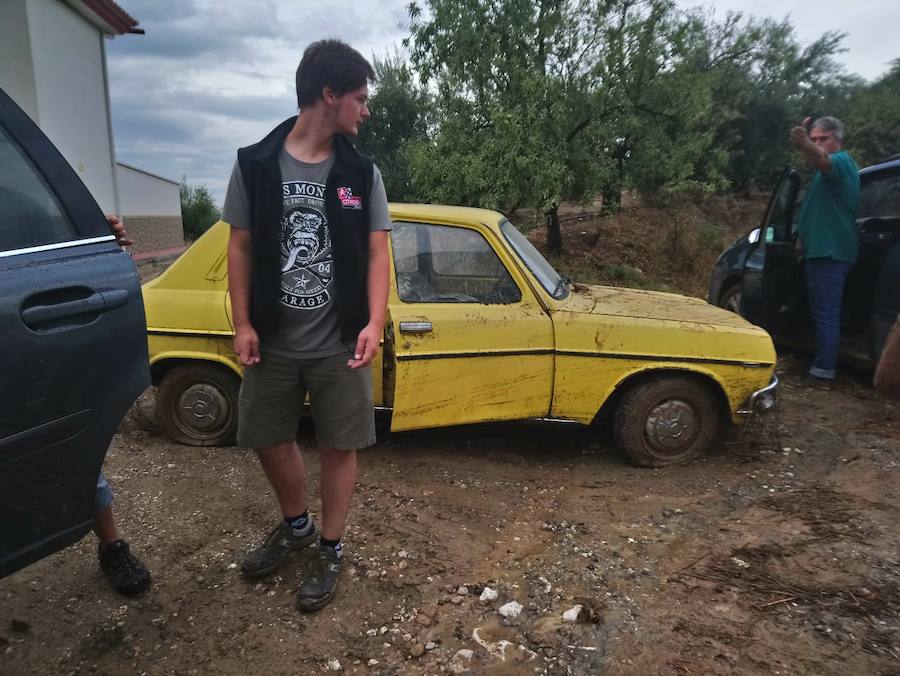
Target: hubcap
[(203, 409), (671, 426)]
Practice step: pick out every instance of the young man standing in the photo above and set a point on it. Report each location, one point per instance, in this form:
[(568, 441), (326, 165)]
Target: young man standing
[(308, 278), (827, 231)]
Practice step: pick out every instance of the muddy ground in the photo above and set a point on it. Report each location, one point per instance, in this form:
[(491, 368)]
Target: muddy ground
[(776, 553)]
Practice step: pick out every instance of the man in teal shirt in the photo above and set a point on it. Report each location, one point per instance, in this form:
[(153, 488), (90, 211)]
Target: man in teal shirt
[(827, 231)]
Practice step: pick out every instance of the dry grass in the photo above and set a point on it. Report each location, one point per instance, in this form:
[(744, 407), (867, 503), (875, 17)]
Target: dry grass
[(647, 247)]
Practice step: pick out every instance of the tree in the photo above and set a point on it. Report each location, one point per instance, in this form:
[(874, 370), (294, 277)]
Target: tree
[(777, 87), (873, 118), (548, 100), (516, 123), (198, 209), (401, 111)]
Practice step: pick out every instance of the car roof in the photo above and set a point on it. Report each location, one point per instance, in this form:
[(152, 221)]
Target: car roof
[(891, 163), (441, 213)]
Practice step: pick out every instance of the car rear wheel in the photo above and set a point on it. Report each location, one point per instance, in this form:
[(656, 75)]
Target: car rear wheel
[(665, 420), (732, 298), (197, 404)]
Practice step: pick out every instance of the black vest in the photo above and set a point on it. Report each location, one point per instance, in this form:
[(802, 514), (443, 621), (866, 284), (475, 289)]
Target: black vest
[(348, 223)]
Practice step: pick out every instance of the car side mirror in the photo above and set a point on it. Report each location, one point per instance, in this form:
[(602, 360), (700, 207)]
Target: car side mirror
[(753, 237)]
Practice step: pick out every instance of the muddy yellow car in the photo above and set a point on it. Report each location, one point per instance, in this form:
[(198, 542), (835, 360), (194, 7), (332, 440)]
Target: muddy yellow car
[(482, 328)]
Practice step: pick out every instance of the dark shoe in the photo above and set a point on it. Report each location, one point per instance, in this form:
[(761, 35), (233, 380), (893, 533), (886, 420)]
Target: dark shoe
[(265, 558), (320, 583), (125, 571), (816, 383)]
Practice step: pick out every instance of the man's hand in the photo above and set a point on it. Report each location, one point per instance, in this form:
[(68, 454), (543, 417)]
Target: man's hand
[(118, 230), (800, 134), (246, 345), (366, 347)]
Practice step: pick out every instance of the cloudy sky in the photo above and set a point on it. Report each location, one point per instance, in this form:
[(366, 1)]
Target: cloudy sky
[(211, 76)]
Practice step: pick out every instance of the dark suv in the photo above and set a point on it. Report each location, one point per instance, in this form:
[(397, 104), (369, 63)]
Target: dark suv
[(761, 276), (74, 354)]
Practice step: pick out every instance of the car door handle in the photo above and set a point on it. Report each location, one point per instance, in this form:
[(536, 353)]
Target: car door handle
[(415, 327), (99, 301)]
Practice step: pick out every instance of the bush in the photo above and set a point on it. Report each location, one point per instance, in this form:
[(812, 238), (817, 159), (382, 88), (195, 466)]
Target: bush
[(198, 209)]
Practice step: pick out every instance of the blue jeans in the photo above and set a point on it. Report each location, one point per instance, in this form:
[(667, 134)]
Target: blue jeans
[(825, 285), (104, 496)]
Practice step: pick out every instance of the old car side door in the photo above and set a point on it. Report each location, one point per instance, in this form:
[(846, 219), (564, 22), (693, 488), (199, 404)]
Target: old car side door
[(770, 281), (471, 343), (74, 352)]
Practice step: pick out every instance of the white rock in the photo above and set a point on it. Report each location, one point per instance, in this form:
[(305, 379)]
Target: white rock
[(510, 610), (488, 595), (739, 562), (462, 591), (334, 664), (232, 566), (372, 662), (461, 660), (431, 645), (371, 632), (571, 615)]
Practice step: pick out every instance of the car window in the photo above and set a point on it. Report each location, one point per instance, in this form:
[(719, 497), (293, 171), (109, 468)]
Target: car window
[(447, 264), (553, 283), (880, 197), (30, 214)]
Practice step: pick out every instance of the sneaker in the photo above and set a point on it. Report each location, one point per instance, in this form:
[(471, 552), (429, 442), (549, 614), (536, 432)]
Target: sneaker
[(265, 558), (125, 571), (320, 583), (816, 383)]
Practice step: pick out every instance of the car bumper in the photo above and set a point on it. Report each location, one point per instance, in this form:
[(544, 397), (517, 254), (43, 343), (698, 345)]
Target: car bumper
[(763, 399)]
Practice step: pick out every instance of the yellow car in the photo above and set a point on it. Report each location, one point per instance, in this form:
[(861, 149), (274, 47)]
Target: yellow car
[(482, 328)]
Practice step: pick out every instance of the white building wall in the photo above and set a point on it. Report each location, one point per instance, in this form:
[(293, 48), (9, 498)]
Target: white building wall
[(143, 194), (16, 68), (69, 73)]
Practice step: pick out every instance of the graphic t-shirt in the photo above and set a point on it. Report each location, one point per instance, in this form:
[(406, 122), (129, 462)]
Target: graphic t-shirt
[(308, 326)]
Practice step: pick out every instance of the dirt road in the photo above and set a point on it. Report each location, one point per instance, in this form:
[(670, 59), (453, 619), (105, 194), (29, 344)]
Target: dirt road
[(777, 553)]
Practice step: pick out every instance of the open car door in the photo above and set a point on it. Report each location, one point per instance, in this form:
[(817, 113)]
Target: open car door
[(74, 352), (771, 291)]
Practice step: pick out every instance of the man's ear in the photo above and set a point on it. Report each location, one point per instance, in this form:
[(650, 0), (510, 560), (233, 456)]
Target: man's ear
[(328, 95)]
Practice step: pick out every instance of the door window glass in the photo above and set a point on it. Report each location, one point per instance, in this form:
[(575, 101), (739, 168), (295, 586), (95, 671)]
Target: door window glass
[(880, 198), (783, 209), (446, 264), (30, 215)]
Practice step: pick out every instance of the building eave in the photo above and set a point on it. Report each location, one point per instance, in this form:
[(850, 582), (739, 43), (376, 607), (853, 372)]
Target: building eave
[(107, 16), (147, 173)]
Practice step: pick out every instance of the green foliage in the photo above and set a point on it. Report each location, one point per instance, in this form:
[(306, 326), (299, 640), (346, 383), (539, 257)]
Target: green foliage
[(401, 112), (198, 209), (873, 119), (511, 104), (521, 105)]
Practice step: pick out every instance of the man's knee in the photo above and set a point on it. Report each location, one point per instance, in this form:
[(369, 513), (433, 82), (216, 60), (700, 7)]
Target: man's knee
[(277, 452)]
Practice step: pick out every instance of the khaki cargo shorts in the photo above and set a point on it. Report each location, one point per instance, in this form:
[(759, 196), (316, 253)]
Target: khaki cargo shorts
[(274, 390)]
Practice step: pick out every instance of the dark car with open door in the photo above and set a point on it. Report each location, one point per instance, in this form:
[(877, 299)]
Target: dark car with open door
[(761, 275), (74, 348)]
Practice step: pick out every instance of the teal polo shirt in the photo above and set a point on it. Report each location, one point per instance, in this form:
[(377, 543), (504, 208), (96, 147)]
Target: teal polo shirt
[(827, 223)]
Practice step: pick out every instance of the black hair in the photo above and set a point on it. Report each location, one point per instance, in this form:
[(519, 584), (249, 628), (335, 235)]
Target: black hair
[(330, 63)]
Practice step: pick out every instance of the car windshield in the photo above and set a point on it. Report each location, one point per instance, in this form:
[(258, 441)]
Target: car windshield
[(550, 279)]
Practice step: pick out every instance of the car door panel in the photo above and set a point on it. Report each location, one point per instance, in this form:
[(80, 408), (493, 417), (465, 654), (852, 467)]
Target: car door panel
[(457, 359), (75, 351), (771, 276)]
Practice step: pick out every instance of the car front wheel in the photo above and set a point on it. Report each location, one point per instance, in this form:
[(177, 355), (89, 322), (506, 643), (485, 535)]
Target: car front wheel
[(665, 420), (732, 298), (197, 404)]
